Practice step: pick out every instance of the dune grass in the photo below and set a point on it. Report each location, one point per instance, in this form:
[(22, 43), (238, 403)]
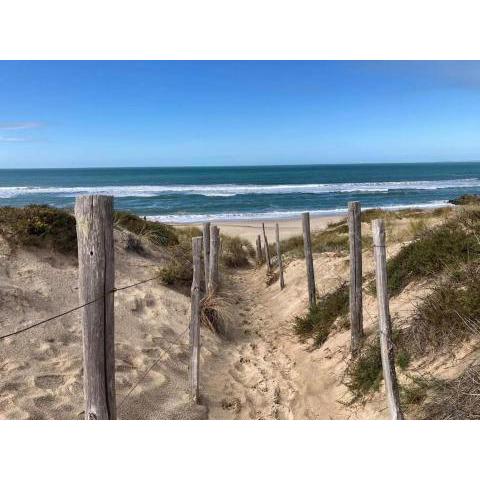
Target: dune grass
[(448, 315), (236, 252), (39, 226), (157, 233), (333, 239), (318, 321)]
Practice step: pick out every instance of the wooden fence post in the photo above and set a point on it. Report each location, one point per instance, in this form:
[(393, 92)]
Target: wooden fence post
[(206, 252), (195, 317), (385, 326), (279, 257), (356, 308), (307, 244), (267, 252), (259, 256), (96, 279), (214, 254)]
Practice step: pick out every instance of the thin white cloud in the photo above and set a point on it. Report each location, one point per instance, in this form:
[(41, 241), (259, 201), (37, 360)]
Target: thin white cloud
[(13, 139), (19, 125)]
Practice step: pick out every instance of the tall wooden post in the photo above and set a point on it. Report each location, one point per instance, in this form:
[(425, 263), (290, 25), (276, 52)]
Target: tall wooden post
[(206, 252), (385, 326), (307, 245), (279, 257), (96, 279), (259, 255), (214, 254), (195, 317), (356, 309), (267, 252)]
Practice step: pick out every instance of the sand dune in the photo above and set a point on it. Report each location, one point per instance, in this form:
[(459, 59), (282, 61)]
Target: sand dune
[(260, 370)]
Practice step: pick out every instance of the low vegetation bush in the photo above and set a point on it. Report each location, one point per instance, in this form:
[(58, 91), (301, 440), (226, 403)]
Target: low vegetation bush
[(433, 251), (318, 321), (39, 226), (157, 233), (178, 270), (364, 372), (466, 200), (236, 252), (333, 239)]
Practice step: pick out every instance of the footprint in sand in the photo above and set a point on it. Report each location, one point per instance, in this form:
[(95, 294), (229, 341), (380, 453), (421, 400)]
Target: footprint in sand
[(49, 381), (45, 401)]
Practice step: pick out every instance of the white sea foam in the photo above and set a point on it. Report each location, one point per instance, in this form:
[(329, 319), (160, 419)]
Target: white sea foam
[(230, 217), (228, 190)]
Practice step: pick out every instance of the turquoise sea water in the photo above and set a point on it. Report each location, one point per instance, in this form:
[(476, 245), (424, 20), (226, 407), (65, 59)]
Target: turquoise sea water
[(228, 193)]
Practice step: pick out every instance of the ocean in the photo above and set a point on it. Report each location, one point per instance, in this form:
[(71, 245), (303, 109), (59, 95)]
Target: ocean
[(194, 194)]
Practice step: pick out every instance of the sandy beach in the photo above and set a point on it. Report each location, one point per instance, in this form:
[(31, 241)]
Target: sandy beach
[(249, 229)]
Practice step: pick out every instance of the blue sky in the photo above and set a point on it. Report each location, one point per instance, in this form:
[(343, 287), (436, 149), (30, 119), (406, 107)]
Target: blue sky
[(88, 114)]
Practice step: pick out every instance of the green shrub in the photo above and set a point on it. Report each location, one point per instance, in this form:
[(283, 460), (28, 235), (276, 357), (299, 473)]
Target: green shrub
[(318, 321), (39, 226), (364, 372), (157, 233), (236, 251)]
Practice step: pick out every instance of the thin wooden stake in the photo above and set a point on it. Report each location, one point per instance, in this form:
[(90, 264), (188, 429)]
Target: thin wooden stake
[(385, 326), (279, 257), (96, 279), (195, 317), (267, 252), (206, 252), (259, 256), (356, 308), (307, 244), (214, 254)]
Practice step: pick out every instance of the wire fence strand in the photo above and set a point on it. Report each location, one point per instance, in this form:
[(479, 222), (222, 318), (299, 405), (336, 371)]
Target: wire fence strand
[(74, 309), (167, 351)]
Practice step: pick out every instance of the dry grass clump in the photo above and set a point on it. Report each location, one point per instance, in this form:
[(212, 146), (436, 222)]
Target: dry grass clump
[(236, 252), (157, 233), (318, 321), (39, 226), (457, 399), (448, 315), (215, 313)]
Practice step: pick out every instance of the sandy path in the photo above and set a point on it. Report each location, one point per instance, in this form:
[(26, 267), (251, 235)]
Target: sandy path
[(252, 374), (262, 371)]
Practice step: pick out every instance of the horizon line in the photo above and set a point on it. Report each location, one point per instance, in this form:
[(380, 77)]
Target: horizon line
[(247, 165)]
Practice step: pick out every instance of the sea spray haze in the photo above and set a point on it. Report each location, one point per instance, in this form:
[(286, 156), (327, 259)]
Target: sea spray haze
[(192, 194)]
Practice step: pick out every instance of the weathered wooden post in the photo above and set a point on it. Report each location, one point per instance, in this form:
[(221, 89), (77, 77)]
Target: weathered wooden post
[(267, 252), (96, 279), (195, 317), (385, 326), (259, 255), (356, 309), (279, 257), (206, 252), (307, 245), (214, 254)]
